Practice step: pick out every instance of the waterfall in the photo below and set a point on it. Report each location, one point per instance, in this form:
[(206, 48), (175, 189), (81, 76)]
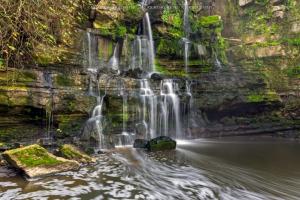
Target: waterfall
[(169, 96), (91, 49), (48, 83), (95, 124), (160, 113), (114, 60), (148, 100), (140, 54), (143, 46), (150, 39), (218, 64), (186, 26), (186, 21)]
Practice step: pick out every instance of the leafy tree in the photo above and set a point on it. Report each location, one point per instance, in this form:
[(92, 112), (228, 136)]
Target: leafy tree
[(25, 24)]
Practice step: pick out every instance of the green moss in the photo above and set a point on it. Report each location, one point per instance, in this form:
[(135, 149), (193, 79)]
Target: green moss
[(161, 145), (22, 77), (294, 41), (1, 63), (172, 17), (33, 156), (3, 99), (168, 48), (293, 72), (14, 88), (262, 97), (72, 153), (63, 80), (69, 125), (176, 73)]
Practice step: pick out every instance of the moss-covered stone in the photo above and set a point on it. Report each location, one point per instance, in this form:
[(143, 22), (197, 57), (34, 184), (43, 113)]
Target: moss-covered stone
[(35, 161), (117, 18), (73, 153), (161, 143)]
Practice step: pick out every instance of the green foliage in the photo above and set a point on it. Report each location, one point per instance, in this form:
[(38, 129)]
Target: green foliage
[(27, 24), (130, 8), (121, 31), (210, 21), (33, 156), (293, 72), (293, 41), (169, 48), (172, 18)]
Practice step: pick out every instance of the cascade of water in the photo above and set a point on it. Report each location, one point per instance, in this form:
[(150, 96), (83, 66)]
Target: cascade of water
[(186, 22), (190, 112), (186, 26), (140, 55), (92, 61), (169, 96), (149, 110), (49, 110), (150, 39), (160, 114), (218, 64), (114, 60)]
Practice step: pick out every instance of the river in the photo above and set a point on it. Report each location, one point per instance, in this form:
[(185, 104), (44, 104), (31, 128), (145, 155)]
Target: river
[(226, 168)]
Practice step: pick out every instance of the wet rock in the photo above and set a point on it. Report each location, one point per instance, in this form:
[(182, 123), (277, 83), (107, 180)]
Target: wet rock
[(140, 143), (36, 161), (161, 143), (73, 153), (156, 77), (243, 3)]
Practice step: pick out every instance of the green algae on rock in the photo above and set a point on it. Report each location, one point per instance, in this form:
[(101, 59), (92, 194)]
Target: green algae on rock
[(161, 143), (71, 152), (35, 161)]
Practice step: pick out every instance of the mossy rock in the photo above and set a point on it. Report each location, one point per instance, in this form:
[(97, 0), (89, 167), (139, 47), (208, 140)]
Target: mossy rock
[(35, 161), (161, 143), (73, 153)]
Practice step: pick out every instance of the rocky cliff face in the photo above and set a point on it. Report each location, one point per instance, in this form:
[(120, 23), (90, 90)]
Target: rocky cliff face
[(254, 84)]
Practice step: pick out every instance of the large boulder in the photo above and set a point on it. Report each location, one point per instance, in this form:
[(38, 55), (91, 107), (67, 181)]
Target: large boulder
[(35, 161), (161, 143), (140, 143), (73, 153)]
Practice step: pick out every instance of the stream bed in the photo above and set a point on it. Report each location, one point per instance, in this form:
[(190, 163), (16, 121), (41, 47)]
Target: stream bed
[(228, 168)]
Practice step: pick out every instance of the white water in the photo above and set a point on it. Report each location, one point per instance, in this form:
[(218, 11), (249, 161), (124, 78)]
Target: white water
[(186, 26), (151, 44), (91, 49), (114, 60), (167, 91), (160, 113), (218, 64), (149, 111), (140, 55)]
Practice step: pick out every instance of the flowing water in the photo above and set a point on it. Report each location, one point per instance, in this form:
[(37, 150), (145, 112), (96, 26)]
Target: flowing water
[(186, 26), (239, 168), (159, 113), (90, 43), (114, 60)]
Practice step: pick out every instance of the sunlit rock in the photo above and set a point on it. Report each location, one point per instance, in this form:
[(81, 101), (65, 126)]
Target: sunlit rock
[(73, 153), (36, 161), (245, 2)]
